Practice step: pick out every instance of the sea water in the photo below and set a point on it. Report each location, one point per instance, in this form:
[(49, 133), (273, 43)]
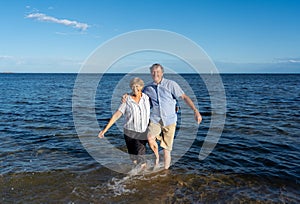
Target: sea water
[(43, 159)]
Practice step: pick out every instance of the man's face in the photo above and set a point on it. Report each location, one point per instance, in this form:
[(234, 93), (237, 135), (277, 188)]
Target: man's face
[(157, 74)]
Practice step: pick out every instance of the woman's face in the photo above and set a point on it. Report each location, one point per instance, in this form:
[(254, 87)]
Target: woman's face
[(136, 88)]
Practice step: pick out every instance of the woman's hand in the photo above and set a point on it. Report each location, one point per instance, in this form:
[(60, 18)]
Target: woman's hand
[(101, 134)]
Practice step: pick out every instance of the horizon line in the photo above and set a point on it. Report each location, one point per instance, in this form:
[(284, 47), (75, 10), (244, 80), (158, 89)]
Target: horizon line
[(147, 73)]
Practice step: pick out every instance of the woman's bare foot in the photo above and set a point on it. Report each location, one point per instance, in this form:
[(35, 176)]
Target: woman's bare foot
[(143, 166), (157, 160)]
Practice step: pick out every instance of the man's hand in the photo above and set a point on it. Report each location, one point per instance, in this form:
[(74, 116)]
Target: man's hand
[(124, 98), (198, 116)]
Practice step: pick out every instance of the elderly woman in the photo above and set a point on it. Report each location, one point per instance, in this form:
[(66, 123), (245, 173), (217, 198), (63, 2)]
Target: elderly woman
[(137, 113)]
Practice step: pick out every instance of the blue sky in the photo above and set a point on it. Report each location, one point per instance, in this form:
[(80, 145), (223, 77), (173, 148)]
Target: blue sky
[(239, 36)]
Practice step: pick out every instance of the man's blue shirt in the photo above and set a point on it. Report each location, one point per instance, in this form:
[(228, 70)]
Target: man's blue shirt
[(163, 100)]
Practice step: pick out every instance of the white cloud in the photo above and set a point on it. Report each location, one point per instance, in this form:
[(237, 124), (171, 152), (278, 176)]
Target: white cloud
[(44, 18), (294, 61), (5, 57), (288, 60)]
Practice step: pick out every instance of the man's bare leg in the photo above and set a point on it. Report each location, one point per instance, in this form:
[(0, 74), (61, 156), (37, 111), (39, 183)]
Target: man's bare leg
[(154, 146), (167, 157)]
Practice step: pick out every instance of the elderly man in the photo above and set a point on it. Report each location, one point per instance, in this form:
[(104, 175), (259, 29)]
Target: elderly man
[(163, 94)]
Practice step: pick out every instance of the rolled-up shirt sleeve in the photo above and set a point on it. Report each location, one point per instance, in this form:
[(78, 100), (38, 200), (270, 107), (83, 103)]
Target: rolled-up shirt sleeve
[(176, 90), (122, 108)]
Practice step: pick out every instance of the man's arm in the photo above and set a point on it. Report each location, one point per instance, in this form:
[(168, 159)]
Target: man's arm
[(190, 103), (124, 98)]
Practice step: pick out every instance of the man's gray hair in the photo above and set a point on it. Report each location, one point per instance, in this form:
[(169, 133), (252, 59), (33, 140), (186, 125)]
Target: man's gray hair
[(154, 66)]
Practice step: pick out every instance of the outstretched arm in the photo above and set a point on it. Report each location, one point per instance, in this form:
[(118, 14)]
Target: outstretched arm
[(190, 103), (113, 119)]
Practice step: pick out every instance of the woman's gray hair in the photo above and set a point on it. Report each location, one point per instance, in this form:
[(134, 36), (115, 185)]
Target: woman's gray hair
[(136, 80)]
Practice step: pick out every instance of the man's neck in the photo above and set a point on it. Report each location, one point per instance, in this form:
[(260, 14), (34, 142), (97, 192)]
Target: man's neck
[(158, 82)]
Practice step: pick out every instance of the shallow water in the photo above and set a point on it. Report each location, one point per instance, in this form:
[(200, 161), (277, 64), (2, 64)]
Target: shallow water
[(255, 160)]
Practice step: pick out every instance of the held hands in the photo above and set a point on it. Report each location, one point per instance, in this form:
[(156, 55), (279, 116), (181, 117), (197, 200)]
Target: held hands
[(101, 134)]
